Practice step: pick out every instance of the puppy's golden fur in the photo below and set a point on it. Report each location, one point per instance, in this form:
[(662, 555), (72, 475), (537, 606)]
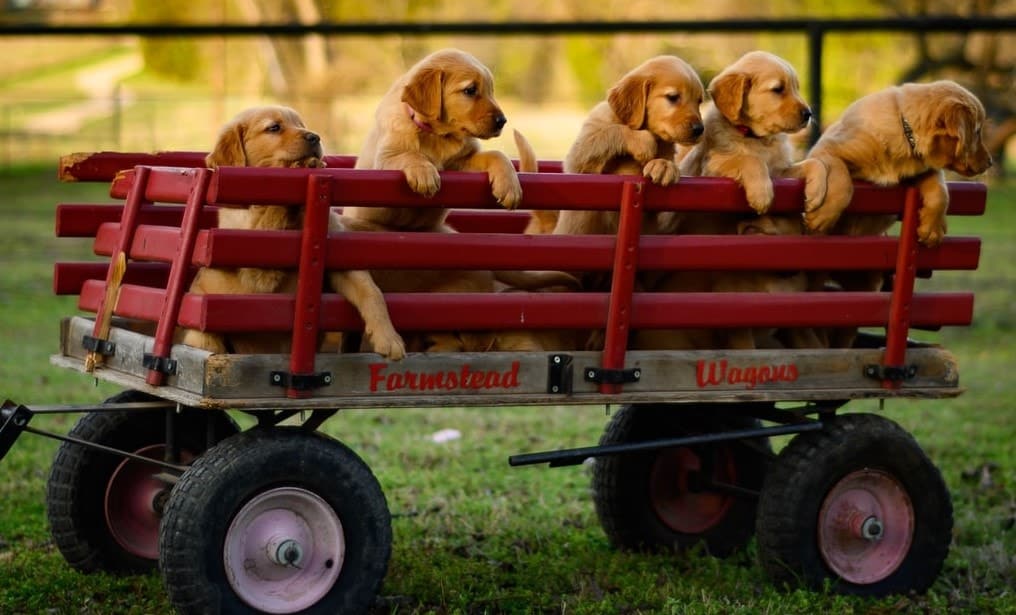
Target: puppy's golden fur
[(756, 103), (726, 281), (633, 132), (431, 120), (909, 132), (275, 136), (541, 222)]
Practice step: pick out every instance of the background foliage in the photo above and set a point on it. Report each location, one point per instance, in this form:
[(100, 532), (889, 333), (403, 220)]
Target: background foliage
[(170, 93)]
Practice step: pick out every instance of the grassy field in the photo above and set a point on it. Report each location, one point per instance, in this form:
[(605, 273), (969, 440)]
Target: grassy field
[(473, 535)]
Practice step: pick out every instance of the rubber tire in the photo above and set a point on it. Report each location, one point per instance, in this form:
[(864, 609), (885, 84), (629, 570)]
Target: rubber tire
[(802, 476), (210, 494), (76, 487), (621, 483)]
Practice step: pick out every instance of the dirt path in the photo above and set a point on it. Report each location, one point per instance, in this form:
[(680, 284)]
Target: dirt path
[(99, 83)]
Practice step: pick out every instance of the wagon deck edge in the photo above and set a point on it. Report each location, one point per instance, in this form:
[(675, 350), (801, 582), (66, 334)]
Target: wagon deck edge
[(365, 380)]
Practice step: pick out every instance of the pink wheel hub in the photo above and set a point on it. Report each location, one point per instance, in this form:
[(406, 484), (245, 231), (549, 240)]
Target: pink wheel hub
[(865, 526), (284, 550), (133, 503), (675, 498)]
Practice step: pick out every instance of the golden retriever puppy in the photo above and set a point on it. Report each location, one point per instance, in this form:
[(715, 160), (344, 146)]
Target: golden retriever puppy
[(431, 120), (910, 132), (756, 103), (634, 132), (907, 133), (741, 338), (275, 136)]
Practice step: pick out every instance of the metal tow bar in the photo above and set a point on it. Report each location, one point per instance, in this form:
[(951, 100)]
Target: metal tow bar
[(14, 419)]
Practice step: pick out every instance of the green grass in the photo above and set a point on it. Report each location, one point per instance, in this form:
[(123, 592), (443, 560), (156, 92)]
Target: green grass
[(473, 535)]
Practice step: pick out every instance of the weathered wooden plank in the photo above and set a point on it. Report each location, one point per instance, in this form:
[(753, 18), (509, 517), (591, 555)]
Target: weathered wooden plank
[(130, 349), (366, 380)]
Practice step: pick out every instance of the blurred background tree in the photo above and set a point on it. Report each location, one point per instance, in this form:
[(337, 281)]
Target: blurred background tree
[(335, 80), (984, 62)]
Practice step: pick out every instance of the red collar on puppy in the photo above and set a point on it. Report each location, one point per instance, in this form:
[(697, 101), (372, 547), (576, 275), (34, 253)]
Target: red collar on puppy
[(424, 126), (745, 131)]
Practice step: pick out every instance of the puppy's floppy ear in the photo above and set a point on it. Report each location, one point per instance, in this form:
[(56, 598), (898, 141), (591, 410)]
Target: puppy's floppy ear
[(727, 91), (424, 92), (628, 98), (956, 120), (228, 150)]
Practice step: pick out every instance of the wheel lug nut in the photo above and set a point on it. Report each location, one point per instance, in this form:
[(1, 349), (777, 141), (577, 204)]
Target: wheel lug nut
[(872, 529), (287, 553)]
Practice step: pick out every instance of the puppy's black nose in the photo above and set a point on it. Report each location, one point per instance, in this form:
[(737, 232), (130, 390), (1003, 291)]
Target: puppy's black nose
[(500, 121), (312, 137), (805, 114), (697, 130)]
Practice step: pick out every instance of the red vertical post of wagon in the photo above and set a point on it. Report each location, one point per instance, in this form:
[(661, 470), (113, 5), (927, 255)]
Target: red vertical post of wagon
[(903, 291), (178, 273), (307, 312), (622, 282), (117, 263)]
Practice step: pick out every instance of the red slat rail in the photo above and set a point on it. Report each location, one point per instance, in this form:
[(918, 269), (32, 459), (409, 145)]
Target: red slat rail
[(84, 219), (479, 311), (355, 250), (364, 250), (234, 185), (68, 278), (104, 166)]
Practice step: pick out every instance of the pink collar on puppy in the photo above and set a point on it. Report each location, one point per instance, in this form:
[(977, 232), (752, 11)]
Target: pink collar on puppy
[(424, 126)]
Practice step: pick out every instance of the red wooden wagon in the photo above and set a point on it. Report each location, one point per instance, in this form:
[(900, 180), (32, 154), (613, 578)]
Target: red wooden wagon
[(282, 519)]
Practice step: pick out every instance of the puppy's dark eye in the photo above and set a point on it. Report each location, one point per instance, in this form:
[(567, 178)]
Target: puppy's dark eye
[(274, 128), (470, 91), (674, 98), (778, 89)]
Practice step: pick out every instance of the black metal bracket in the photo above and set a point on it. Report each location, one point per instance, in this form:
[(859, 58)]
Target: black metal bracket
[(159, 364), (894, 373), (600, 375), (559, 374), (13, 420), (93, 344), (301, 382)]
